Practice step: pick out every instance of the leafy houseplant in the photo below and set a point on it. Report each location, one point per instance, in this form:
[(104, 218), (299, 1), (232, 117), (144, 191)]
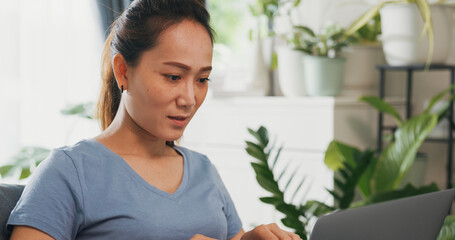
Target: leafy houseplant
[(376, 175), (369, 33), (323, 71), (325, 44), (424, 9)]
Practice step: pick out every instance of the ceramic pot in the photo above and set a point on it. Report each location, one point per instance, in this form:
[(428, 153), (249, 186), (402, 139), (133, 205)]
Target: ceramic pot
[(361, 76), (323, 76), (403, 42), (259, 75), (290, 72)]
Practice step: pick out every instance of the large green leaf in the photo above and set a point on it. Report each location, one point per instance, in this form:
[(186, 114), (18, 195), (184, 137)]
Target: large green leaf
[(437, 98), (448, 229), (6, 170), (306, 30), (261, 136), (338, 153), (271, 200), (260, 169), (24, 161), (396, 159), (288, 209), (317, 208), (382, 106), (294, 223), (365, 18), (364, 183), (256, 151), (269, 185), (85, 110), (294, 218), (407, 191)]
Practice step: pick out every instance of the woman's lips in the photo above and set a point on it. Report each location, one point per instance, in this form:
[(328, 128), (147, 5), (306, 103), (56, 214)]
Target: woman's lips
[(179, 121)]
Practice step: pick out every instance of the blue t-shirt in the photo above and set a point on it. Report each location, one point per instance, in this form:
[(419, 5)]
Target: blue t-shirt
[(88, 192)]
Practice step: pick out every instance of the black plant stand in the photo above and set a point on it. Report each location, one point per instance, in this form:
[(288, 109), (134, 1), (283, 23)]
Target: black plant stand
[(410, 70)]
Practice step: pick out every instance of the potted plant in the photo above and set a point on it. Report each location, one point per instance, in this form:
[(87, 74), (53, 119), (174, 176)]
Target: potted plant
[(377, 175), (413, 31), (323, 69)]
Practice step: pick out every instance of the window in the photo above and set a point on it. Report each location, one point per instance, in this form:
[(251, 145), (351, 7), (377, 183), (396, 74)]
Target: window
[(50, 56), (232, 22)]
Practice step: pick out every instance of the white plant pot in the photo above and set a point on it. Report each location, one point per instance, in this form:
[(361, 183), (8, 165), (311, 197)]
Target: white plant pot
[(361, 76), (259, 75), (290, 72), (323, 76), (403, 42)]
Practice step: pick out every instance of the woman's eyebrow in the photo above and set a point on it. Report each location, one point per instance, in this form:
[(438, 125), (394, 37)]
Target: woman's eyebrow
[(186, 67)]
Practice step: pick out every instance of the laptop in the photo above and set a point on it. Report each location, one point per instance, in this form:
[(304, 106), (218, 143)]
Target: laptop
[(417, 218)]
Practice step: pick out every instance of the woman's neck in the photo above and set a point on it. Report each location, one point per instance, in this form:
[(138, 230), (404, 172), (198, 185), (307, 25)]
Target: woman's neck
[(125, 137)]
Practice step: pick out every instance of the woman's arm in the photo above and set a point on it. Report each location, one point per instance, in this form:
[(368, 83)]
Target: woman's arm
[(26, 233)]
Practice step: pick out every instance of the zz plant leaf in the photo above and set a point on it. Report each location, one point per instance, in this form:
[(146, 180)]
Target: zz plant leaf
[(264, 167)]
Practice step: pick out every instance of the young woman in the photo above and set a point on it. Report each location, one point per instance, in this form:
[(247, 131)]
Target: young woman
[(131, 181)]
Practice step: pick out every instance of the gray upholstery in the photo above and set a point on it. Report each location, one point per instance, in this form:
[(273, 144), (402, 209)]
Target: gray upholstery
[(9, 195)]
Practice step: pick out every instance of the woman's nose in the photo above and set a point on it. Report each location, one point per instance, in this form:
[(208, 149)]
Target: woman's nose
[(187, 96)]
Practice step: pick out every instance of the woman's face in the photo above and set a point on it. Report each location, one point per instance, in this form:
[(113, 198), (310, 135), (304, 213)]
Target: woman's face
[(170, 81)]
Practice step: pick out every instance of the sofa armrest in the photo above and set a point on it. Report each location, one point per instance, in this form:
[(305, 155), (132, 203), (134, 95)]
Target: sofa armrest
[(9, 195)]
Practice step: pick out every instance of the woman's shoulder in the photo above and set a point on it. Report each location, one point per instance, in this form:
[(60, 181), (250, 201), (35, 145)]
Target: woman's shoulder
[(192, 156), (82, 152), (198, 162), (86, 147)]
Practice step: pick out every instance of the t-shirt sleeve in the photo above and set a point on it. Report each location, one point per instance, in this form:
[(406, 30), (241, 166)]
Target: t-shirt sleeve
[(233, 219), (52, 199)]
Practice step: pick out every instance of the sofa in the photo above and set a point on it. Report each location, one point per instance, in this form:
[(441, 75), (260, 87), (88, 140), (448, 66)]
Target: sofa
[(9, 195)]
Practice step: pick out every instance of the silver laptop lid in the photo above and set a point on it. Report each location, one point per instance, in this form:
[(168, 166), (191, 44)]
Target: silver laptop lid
[(418, 218)]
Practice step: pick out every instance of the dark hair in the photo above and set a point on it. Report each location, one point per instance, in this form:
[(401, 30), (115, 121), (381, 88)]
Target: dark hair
[(136, 31)]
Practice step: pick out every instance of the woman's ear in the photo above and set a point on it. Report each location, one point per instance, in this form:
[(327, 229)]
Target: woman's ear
[(120, 68)]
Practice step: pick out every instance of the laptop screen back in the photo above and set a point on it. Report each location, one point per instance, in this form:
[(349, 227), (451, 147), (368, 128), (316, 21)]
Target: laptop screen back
[(418, 218)]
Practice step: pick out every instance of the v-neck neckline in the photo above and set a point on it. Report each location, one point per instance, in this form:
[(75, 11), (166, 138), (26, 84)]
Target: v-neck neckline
[(181, 188)]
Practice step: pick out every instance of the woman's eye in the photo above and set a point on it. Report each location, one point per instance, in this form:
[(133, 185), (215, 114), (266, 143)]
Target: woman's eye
[(203, 80), (173, 77)]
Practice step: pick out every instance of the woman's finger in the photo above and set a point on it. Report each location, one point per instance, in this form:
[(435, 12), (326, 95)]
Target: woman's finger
[(294, 236), (279, 233)]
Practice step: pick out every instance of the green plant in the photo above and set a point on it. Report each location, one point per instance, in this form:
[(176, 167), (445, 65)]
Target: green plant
[(327, 43), (295, 216), (29, 157), (448, 229), (424, 8), (376, 175), (368, 33), (25, 161)]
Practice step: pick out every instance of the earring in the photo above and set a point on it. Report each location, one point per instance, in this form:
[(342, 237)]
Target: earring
[(122, 88)]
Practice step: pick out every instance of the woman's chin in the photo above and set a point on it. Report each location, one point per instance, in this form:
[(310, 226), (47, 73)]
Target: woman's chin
[(174, 137)]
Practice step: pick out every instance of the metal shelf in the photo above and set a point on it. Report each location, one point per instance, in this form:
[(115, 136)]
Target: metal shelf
[(410, 69)]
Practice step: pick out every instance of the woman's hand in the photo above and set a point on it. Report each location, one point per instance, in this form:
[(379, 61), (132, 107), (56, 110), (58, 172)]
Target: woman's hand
[(269, 232), (201, 237)]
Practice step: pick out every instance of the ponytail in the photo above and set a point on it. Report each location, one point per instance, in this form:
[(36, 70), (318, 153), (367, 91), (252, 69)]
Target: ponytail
[(109, 99)]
